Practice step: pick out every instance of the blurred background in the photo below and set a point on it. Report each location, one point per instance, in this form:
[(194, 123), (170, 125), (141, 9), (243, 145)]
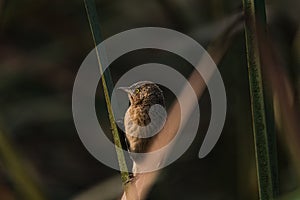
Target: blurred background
[(42, 45)]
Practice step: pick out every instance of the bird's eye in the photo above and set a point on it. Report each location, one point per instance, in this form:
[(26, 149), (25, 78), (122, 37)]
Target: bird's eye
[(137, 90)]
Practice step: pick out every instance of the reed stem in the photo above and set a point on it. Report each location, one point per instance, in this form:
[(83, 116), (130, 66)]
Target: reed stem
[(107, 87), (261, 138)]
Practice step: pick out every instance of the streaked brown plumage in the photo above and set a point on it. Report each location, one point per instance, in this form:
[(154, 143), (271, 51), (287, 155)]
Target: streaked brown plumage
[(142, 95)]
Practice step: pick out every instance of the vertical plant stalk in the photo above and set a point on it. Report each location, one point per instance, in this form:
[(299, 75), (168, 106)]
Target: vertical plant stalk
[(107, 87), (262, 151), (260, 11), (23, 183)]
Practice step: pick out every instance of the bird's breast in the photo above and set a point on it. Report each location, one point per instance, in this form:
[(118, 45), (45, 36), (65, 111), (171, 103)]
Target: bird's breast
[(140, 128)]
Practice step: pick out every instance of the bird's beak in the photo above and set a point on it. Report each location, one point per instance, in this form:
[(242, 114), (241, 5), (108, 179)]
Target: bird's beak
[(125, 89)]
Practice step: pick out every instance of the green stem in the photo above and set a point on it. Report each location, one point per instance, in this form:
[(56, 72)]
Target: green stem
[(262, 148), (107, 87), (269, 107)]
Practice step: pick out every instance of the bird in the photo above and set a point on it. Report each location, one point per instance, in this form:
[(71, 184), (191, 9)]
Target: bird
[(144, 118)]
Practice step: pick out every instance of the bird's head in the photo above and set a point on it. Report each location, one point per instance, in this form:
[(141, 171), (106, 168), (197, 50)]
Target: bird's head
[(144, 93)]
